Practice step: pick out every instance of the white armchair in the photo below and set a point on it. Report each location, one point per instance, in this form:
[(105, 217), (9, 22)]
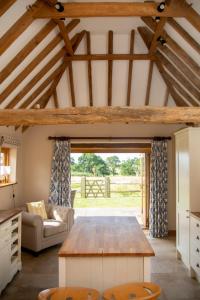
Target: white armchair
[(38, 234)]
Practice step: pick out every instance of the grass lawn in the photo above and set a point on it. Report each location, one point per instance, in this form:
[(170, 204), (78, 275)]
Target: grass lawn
[(115, 200), (122, 195)]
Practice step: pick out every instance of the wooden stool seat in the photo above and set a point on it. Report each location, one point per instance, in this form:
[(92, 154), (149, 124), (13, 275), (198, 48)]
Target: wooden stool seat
[(70, 293), (133, 291)]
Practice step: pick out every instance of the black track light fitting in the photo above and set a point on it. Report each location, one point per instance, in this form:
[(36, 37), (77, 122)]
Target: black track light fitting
[(157, 19), (161, 40), (161, 7), (59, 7), (62, 19)]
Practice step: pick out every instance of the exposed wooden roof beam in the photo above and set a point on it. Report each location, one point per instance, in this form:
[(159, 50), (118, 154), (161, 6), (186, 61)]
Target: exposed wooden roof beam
[(174, 46), (40, 89), (112, 9), (5, 5), (148, 90), (176, 85), (158, 32), (40, 74), (147, 36), (88, 44), (55, 99), (130, 69), (29, 68), (111, 57), (65, 36), (71, 81), (30, 46), (18, 27), (110, 67), (178, 75), (193, 17), (188, 38), (95, 115), (58, 71)]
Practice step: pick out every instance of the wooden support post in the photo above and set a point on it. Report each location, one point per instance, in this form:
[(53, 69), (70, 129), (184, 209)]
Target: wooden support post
[(55, 98), (88, 39), (110, 67), (149, 83), (71, 81), (107, 187), (83, 187), (130, 69)]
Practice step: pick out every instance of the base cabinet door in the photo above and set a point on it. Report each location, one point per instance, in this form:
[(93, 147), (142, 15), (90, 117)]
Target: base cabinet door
[(4, 267)]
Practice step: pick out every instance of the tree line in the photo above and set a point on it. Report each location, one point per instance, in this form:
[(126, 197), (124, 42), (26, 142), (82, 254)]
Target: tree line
[(90, 164)]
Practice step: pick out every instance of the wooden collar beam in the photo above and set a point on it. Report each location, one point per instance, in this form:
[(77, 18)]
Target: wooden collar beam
[(111, 57), (95, 115), (112, 9)]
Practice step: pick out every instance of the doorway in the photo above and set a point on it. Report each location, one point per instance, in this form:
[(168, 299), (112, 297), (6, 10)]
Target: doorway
[(111, 180)]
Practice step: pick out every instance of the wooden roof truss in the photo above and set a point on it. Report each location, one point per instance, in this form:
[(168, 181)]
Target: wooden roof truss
[(179, 71)]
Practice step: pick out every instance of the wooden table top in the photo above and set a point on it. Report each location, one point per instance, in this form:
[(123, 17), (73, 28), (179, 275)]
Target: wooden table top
[(106, 236), (7, 214), (196, 214)]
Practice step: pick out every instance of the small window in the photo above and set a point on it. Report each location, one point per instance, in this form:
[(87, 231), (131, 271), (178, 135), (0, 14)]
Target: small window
[(7, 166)]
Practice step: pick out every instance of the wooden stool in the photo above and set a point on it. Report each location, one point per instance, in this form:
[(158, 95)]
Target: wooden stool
[(133, 291), (70, 293)]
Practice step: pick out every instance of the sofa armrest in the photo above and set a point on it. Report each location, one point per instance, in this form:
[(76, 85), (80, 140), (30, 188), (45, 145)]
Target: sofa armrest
[(31, 220)]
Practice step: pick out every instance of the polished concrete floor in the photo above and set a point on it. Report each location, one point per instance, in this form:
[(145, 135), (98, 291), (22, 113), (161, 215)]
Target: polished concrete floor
[(41, 272)]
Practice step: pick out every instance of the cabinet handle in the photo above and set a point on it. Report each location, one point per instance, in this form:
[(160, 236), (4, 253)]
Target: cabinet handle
[(197, 250), (197, 225), (197, 265), (197, 237)]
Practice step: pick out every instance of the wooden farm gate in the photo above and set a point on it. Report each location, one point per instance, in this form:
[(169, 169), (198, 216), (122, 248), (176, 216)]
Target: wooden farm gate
[(95, 188)]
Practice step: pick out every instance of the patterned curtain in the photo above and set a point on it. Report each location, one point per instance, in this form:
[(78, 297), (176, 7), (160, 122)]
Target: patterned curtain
[(60, 187), (159, 189)]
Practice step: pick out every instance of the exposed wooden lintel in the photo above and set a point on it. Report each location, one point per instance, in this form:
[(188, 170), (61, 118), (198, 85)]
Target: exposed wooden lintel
[(92, 115)]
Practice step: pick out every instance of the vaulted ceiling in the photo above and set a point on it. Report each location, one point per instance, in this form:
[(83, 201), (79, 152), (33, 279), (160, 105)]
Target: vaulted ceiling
[(99, 54)]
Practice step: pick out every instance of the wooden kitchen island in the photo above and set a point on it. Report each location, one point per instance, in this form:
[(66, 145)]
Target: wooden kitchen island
[(101, 252)]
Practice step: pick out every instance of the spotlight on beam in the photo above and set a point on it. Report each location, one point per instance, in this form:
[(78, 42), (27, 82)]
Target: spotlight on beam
[(157, 19), (59, 7), (161, 7), (161, 40)]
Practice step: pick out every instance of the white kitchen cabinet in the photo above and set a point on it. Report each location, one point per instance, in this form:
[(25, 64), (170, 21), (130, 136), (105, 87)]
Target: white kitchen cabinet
[(10, 246), (187, 145), (195, 245)]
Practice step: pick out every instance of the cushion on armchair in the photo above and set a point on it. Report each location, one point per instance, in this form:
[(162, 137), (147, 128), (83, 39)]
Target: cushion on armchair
[(52, 227), (37, 208)]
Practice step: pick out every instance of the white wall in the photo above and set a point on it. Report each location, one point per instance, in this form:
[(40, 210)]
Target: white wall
[(6, 193), (37, 154)]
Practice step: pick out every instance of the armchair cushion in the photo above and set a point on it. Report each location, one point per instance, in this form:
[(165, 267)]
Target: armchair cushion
[(37, 208), (52, 227)]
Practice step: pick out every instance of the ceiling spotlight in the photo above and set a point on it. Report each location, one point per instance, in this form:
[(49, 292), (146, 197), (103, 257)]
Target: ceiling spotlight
[(161, 7), (59, 7), (157, 19), (161, 40)]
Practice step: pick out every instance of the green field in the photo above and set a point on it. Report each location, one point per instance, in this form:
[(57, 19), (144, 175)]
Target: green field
[(122, 195)]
